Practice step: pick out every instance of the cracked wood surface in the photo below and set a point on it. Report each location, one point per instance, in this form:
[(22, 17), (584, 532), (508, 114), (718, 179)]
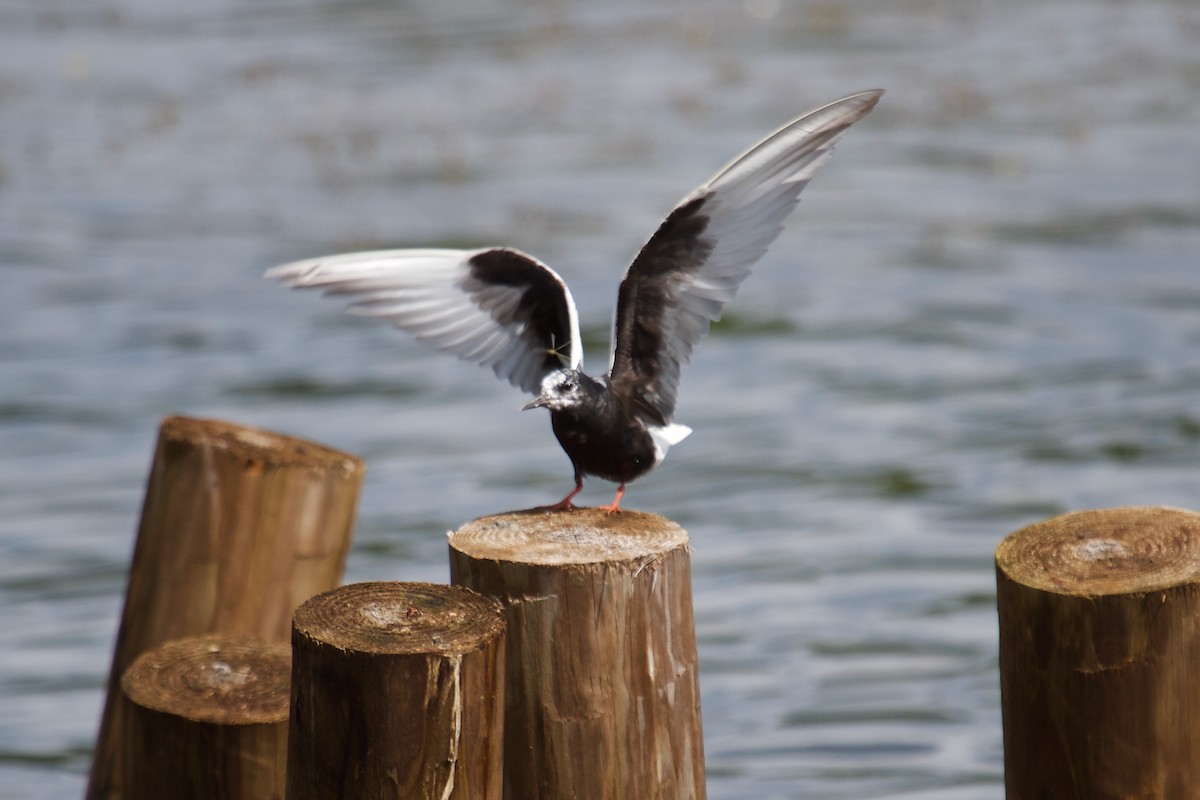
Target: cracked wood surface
[(397, 692), (1099, 642), (602, 688)]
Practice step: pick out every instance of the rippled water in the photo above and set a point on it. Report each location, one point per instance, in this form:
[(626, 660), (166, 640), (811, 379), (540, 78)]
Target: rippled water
[(984, 314)]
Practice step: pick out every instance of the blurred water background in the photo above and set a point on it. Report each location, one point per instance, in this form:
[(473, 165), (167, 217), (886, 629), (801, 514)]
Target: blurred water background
[(984, 313)]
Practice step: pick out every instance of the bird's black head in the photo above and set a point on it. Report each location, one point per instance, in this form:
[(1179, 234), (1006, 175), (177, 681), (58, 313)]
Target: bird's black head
[(564, 389)]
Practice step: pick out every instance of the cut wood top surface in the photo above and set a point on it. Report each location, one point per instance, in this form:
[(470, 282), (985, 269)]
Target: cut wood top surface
[(581, 536), (400, 618), (256, 443), (1109, 551), (226, 680)]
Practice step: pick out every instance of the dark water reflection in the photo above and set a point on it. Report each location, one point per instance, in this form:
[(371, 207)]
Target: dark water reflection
[(984, 314)]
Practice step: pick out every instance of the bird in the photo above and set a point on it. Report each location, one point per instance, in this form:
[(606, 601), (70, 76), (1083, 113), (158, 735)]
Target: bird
[(506, 310)]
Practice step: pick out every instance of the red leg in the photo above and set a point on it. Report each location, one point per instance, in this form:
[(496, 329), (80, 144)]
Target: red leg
[(615, 508), (565, 504)]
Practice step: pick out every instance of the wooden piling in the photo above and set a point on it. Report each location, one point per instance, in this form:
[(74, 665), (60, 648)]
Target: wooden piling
[(602, 691), (239, 526), (397, 692), (1099, 647), (207, 718)]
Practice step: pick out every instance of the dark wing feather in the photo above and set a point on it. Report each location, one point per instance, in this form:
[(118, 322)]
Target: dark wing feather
[(496, 307), (693, 264)]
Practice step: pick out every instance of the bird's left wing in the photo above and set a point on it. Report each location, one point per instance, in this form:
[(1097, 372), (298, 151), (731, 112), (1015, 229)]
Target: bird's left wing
[(497, 307), (692, 266)]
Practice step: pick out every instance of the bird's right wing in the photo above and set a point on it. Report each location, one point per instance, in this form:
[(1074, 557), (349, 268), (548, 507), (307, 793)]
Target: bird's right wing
[(693, 264), (497, 307)]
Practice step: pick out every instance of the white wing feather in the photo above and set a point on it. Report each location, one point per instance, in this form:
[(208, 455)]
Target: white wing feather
[(749, 199), (430, 294), (707, 245)]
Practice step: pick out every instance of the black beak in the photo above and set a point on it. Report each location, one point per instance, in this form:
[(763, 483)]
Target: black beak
[(536, 402)]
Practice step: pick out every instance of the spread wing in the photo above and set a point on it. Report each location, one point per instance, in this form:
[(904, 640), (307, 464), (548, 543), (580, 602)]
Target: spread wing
[(692, 266), (497, 307)]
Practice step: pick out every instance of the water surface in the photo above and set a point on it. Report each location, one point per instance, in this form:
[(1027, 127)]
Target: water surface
[(984, 313)]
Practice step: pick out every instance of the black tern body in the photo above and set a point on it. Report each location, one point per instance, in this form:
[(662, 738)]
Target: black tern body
[(506, 310)]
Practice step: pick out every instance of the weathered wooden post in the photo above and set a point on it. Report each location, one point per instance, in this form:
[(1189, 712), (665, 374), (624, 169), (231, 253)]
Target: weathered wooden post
[(207, 718), (239, 526), (397, 692), (602, 691), (1100, 655)]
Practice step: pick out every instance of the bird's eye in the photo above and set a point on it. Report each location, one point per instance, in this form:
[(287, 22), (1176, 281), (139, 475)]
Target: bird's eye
[(566, 386)]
